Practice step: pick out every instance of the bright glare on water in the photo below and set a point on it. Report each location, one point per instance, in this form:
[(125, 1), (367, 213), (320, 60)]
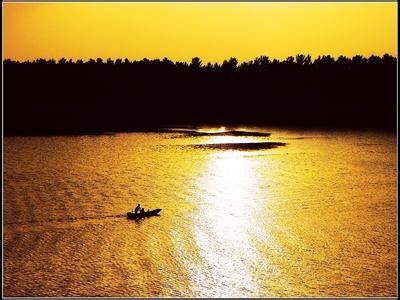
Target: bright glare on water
[(316, 217)]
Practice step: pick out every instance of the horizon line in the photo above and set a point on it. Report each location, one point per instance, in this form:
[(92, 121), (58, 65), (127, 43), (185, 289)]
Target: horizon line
[(105, 59)]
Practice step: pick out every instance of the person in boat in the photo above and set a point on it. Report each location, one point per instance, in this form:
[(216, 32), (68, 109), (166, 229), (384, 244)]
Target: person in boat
[(137, 209), (142, 211)]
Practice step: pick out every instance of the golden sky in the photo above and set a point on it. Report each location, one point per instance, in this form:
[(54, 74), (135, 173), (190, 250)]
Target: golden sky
[(212, 31)]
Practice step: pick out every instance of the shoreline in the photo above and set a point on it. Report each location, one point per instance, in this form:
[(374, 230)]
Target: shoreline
[(193, 130)]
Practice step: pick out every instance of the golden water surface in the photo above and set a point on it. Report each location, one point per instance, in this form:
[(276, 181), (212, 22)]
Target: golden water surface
[(316, 217)]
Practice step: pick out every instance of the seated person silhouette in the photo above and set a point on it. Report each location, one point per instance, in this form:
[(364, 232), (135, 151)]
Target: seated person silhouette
[(137, 209)]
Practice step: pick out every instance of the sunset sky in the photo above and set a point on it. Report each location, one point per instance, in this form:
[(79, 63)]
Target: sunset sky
[(212, 31)]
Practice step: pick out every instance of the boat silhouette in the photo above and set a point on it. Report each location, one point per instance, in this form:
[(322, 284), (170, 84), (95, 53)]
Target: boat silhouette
[(145, 214)]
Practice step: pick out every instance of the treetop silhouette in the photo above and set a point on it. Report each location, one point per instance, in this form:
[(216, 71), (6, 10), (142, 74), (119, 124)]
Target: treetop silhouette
[(66, 96)]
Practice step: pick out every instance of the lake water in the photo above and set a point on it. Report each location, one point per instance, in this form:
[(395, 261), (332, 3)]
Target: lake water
[(316, 217)]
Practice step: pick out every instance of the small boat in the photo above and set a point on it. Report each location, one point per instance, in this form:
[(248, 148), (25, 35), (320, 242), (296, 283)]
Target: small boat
[(146, 214)]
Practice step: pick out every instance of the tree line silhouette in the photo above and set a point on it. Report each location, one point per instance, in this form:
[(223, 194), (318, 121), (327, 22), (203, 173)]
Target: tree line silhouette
[(73, 97)]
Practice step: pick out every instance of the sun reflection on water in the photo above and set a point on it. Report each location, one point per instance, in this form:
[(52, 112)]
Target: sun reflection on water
[(213, 130), (230, 182), (226, 139), (223, 230)]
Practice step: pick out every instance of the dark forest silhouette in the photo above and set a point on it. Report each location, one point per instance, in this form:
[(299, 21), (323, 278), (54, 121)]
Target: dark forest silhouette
[(68, 97)]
